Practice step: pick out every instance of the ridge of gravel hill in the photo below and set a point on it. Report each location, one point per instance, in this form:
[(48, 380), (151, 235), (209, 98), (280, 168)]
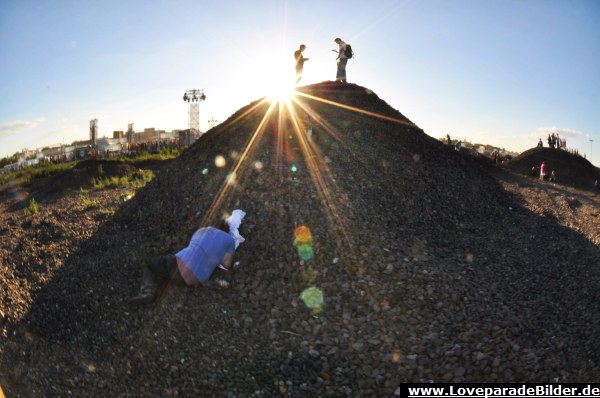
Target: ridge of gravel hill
[(429, 269)]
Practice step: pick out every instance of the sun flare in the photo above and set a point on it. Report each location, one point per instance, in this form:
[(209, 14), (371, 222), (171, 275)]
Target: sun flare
[(271, 74), (281, 92)]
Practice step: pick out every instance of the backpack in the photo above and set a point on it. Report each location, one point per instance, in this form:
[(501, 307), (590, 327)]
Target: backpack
[(348, 51)]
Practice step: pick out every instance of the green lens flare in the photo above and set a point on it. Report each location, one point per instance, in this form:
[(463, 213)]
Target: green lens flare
[(306, 252), (312, 297)]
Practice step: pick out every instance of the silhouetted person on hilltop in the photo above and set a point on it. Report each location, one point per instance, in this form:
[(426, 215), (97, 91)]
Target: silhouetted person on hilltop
[(300, 62), (540, 143), (193, 265), (448, 140), (342, 60)]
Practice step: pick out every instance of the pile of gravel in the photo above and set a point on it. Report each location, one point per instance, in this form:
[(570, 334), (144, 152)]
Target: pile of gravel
[(429, 271)]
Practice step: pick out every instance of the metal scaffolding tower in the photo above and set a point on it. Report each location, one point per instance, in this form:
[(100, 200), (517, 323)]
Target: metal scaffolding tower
[(193, 98)]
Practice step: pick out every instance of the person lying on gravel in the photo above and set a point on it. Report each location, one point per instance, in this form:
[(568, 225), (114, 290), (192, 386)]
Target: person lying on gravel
[(208, 249)]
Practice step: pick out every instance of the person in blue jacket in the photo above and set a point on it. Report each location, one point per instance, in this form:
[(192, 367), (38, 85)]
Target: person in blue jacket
[(209, 247)]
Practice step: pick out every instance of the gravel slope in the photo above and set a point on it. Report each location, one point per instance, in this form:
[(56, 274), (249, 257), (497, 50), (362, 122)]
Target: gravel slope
[(431, 267)]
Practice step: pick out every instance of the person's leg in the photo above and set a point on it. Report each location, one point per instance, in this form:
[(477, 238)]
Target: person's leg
[(165, 269), (342, 69), (159, 270), (298, 74)]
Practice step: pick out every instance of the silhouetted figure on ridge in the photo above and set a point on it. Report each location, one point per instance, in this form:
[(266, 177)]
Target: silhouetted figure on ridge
[(342, 60), (299, 62)]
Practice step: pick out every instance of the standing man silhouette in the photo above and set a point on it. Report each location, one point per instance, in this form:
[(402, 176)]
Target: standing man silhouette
[(299, 62), (342, 60)]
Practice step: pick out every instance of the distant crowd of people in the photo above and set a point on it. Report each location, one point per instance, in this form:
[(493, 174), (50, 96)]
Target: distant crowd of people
[(150, 147), (554, 141), (134, 149)]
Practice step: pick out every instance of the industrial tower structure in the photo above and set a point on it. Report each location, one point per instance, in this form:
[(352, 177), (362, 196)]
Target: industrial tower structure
[(193, 98), (93, 132)]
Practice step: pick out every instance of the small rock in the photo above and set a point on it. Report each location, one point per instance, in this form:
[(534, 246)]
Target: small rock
[(358, 346)]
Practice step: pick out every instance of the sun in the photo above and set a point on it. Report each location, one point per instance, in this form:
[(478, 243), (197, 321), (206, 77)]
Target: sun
[(271, 74), (281, 91), (278, 83)]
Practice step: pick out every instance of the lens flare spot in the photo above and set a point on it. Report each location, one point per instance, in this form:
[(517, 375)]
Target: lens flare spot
[(220, 161), (395, 356), (303, 234), (258, 166), (310, 275), (235, 155), (385, 304), (294, 168), (231, 179), (313, 297), (90, 367), (306, 252), (204, 171), (469, 258)]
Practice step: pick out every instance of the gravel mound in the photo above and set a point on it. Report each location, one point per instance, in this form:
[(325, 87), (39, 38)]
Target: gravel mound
[(571, 170), (429, 268)]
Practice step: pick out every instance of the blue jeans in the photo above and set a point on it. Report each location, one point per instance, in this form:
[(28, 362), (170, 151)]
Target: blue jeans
[(341, 70)]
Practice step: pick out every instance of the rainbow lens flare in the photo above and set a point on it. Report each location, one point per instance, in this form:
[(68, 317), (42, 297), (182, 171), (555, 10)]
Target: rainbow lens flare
[(304, 242), (303, 235)]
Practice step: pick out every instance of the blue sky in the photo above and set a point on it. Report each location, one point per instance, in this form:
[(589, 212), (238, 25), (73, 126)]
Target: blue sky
[(497, 72)]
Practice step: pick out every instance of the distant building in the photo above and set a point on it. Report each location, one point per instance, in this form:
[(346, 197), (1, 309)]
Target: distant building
[(187, 137), (148, 135), (110, 145), (81, 143)]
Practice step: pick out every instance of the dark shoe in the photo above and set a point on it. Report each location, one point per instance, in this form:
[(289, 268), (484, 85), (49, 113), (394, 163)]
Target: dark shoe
[(146, 296)]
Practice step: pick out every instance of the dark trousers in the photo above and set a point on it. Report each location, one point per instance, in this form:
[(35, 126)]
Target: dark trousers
[(299, 70), (160, 270), (341, 70)]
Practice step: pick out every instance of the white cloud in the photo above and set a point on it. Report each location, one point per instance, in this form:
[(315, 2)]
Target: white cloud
[(563, 132), (15, 126)]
